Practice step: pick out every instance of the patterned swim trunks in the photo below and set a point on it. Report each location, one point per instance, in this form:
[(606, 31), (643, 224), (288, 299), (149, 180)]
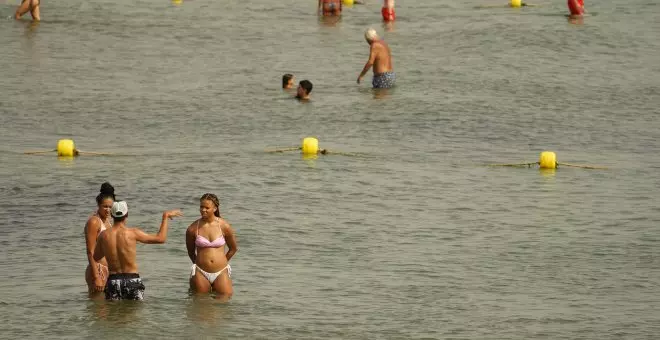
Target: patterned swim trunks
[(383, 80), (124, 287)]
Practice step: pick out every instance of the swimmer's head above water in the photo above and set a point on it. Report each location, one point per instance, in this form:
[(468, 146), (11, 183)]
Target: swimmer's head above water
[(370, 35), (304, 89), (287, 81)]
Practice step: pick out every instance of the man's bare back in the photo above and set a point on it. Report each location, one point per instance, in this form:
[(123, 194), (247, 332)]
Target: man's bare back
[(380, 58), (117, 244)]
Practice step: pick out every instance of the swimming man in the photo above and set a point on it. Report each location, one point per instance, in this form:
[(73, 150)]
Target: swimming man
[(304, 89)]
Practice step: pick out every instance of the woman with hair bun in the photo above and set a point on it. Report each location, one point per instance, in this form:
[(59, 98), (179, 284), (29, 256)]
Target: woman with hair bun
[(205, 240), (96, 273)]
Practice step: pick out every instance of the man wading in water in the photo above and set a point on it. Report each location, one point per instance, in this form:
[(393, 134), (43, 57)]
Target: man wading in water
[(381, 60), (117, 245)]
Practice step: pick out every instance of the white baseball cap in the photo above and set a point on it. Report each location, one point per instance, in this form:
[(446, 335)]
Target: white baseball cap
[(119, 209)]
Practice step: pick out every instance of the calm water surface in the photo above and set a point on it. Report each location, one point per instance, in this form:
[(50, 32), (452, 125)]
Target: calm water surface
[(414, 238)]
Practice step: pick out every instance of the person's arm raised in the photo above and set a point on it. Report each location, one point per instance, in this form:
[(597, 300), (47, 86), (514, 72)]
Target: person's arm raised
[(161, 237)]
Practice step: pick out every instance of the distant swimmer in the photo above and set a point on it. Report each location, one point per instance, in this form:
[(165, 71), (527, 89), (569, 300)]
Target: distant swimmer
[(576, 7), (330, 7), (380, 58), (118, 245), (304, 89), (287, 81), (31, 6), (206, 240), (96, 272), (388, 10)]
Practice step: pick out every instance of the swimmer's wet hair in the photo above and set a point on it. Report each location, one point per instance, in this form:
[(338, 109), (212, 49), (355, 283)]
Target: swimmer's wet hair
[(107, 191), (307, 86), (285, 79), (213, 198), (370, 34)]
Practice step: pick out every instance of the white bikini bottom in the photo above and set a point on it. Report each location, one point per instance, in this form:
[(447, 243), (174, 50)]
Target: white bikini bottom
[(210, 276)]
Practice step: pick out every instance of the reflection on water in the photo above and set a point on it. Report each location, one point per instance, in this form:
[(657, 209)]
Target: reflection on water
[(548, 173), (206, 310), (576, 19), (310, 159), (115, 313), (66, 162), (382, 93), (388, 26), (329, 21), (32, 28)]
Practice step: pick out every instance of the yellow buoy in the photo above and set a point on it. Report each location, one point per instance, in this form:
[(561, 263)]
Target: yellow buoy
[(66, 148), (348, 2), (515, 3), (310, 146), (548, 160)]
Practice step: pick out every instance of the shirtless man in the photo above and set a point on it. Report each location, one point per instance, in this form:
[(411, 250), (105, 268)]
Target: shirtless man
[(117, 245), (29, 5), (381, 59), (330, 7)]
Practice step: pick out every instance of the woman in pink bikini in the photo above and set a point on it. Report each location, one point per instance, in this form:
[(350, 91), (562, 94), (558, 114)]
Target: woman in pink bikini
[(205, 240), (97, 271)]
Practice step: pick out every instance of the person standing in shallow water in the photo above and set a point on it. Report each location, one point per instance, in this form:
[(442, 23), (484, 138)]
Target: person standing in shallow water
[(31, 6), (118, 246), (330, 7), (388, 10), (97, 271), (380, 58), (205, 240)]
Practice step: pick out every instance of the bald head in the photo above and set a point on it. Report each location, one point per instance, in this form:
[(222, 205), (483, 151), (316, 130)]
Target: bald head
[(370, 34)]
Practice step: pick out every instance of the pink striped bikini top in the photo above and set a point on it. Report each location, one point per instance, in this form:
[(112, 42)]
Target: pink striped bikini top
[(104, 226), (203, 242)]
